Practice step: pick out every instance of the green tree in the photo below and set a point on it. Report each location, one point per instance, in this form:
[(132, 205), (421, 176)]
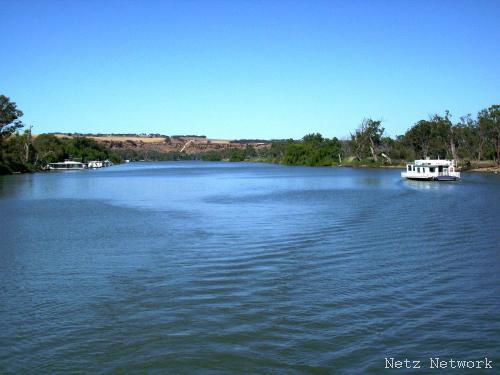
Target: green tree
[(419, 137), (400, 149), (9, 123), (48, 149), (313, 150), (9, 117), (467, 138), (250, 152), (489, 129), (443, 139), (236, 154), (434, 137), (211, 156), (313, 139), (366, 140)]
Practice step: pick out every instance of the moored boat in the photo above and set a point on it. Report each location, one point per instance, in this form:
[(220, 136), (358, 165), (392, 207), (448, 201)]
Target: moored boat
[(95, 164), (67, 165), (99, 164), (432, 170)]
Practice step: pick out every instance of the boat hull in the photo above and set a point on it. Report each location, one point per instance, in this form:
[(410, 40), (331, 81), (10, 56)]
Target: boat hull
[(437, 178), (66, 169), (446, 178), (420, 178)]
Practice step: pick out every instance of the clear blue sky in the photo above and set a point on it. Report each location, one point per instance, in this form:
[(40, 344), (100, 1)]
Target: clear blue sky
[(247, 69)]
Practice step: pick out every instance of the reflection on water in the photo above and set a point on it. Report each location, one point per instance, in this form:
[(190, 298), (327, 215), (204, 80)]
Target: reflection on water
[(199, 267), (434, 185)]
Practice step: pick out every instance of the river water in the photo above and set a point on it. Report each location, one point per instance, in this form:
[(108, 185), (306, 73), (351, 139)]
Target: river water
[(254, 268)]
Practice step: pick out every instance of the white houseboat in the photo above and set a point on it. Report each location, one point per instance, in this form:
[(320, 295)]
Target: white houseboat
[(432, 169), (66, 165)]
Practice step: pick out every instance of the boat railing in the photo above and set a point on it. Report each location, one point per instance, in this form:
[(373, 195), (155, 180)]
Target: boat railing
[(449, 173)]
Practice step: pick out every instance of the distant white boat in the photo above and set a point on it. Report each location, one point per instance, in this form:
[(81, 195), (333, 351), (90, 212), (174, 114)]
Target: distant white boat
[(99, 164), (67, 165), (431, 169), (94, 164)]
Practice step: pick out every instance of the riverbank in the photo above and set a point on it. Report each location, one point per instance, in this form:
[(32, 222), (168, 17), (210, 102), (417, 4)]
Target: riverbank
[(494, 170), (487, 169), (481, 168)]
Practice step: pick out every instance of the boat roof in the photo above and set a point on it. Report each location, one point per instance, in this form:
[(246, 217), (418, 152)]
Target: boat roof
[(67, 162), (431, 162)]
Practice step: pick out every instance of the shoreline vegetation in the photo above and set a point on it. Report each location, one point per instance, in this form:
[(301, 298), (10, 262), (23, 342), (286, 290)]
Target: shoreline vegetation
[(473, 141)]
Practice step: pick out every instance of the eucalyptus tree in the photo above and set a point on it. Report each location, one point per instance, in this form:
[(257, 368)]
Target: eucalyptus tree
[(489, 130), (443, 137), (467, 138), (367, 139)]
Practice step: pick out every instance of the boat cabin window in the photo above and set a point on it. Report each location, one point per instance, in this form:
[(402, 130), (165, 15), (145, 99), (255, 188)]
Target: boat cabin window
[(431, 169)]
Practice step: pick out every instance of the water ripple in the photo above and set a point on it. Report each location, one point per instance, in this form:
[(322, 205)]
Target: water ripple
[(245, 268)]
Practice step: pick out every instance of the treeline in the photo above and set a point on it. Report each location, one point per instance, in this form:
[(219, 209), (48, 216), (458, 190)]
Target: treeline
[(22, 152), (25, 153), (227, 154), (468, 140)]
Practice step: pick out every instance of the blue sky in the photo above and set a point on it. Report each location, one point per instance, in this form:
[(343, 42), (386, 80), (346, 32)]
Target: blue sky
[(247, 69)]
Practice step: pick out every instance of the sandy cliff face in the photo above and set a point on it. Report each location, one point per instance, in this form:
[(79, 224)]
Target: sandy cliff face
[(185, 144)]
